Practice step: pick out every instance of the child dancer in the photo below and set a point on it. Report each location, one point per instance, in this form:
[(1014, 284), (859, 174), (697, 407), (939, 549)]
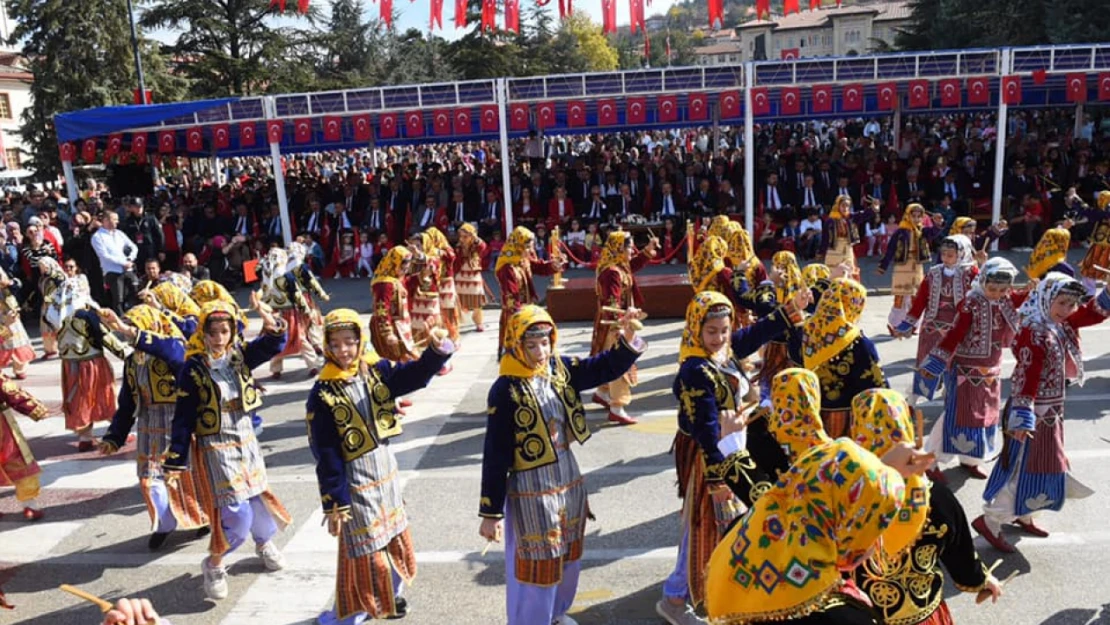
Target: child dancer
[(448, 299), (424, 287), (15, 345), (216, 395), (391, 325), (469, 282), (359, 485), (514, 270), (908, 250), (17, 466), (282, 292)]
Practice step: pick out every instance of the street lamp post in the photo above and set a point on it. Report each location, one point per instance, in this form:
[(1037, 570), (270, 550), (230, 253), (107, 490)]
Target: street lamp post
[(135, 49)]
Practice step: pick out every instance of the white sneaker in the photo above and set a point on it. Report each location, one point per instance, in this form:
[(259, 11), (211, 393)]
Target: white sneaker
[(215, 580), (271, 556), (678, 614), (563, 619)]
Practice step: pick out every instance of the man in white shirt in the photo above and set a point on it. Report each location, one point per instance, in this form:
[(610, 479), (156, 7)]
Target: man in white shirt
[(116, 252), (809, 235)]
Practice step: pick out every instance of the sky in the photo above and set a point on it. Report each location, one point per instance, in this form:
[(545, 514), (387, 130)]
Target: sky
[(414, 14)]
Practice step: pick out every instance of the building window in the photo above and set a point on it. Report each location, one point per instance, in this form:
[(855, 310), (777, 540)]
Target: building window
[(12, 154), (802, 43), (5, 106)]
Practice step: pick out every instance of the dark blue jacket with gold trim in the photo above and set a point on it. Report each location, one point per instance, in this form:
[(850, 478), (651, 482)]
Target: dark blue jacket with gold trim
[(198, 396), (339, 433), (167, 356), (516, 435)]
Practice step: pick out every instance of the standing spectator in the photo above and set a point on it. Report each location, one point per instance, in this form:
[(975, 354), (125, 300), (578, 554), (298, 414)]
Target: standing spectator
[(144, 230), (35, 248), (79, 249), (171, 235), (116, 252)]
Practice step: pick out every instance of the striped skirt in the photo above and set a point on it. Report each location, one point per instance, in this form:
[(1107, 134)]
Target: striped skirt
[(425, 315), (365, 583), (90, 392), (190, 496), (469, 288)]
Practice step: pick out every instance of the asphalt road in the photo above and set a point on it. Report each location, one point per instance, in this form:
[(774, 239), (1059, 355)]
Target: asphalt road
[(96, 528)]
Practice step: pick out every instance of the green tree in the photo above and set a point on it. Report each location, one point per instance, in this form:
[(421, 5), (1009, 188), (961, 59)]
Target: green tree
[(951, 24), (80, 55), (598, 53), (229, 47)]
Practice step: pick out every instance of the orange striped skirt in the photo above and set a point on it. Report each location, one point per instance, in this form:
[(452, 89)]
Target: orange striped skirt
[(365, 584), (90, 392)]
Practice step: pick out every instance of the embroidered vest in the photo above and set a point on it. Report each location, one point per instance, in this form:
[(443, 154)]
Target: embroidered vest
[(533, 442), (356, 436), (208, 394)]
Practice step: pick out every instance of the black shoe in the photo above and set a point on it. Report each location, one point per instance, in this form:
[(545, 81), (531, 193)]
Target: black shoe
[(402, 609), (202, 532), (156, 540)]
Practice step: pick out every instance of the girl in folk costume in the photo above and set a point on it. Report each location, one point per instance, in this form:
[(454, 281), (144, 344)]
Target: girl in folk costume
[(741, 255), (216, 395), (968, 359), (934, 307), (515, 266), (424, 287), (282, 293), (391, 325), (616, 288), (1051, 254), (15, 345), (313, 292), (469, 284), (1098, 255), (210, 291), (51, 278), (840, 234), (531, 485), (448, 298), (708, 270), (147, 400), (716, 472), (1032, 473), (817, 277), (794, 422), (903, 578), (17, 466), (88, 382), (787, 281), (784, 561), (908, 250), (835, 348), (969, 228), (177, 305), (351, 421)]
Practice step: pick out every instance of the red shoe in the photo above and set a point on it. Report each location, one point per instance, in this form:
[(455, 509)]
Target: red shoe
[(20, 376), (480, 328), (1031, 528), (275, 376), (973, 471), (84, 446), (598, 399), (445, 370), (621, 419), (936, 475), (405, 403), (313, 372), (31, 514), (996, 541)]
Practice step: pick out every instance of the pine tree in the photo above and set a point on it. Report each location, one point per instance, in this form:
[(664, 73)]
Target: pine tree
[(80, 55)]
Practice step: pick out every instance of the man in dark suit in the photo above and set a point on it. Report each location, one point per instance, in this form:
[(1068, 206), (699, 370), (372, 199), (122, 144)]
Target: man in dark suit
[(458, 210), (623, 205), (490, 216), (594, 208), (579, 189), (877, 189), (396, 206), (797, 182), (825, 181), (950, 187), (911, 190), (667, 203), (377, 219), (703, 204), (843, 187)]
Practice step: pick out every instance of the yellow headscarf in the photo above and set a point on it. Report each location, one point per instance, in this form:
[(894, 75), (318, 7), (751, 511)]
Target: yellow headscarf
[(438, 239), (1103, 200), (468, 228), (708, 261), (881, 419), (739, 244), (427, 243), (790, 276), (1051, 250), (515, 361), (814, 273), (150, 319), (344, 319), (834, 212), (517, 248), (718, 227), (613, 254), (209, 291), (196, 345), (908, 222), (177, 301), (390, 267), (959, 225), (783, 559), (696, 312), (832, 327), (795, 419)]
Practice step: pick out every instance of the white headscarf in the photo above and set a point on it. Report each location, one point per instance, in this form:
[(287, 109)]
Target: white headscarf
[(272, 266), (996, 266), (1035, 311), (71, 296), (297, 252), (964, 249)]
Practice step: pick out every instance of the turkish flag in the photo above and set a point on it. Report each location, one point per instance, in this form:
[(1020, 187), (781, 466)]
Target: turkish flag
[(221, 136), (1040, 77), (668, 108), (822, 99), (1104, 86), (363, 127), (606, 112), (888, 96), (460, 13), (789, 6), (576, 113), (167, 141), (462, 123), (441, 122), (333, 128), (512, 15), (545, 115), (852, 98), (518, 117), (489, 15), (194, 140), (248, 134), (302, 131), (950, 94), (436, 17), (919, 94), (414, 124), (609, 16), (138, 143), (387, 125), (67, 151), (88, 150), (275, 129), (1011, 89), (790, 101), (490, 122), (1077, 87), (635, 111), (761, 101), (698, 107), (115, 143), (979, 90), (791, 54), (385, 12), (729, 103)]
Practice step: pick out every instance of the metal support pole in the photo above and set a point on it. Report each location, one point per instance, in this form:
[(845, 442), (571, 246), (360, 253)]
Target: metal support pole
[(71, 183), (897, 126), (270, 109), (1000, 148), (749, 150), (503, 129), (135, 49)]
